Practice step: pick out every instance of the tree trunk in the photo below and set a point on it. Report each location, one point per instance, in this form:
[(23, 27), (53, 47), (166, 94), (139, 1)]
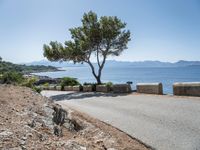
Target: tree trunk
[(98, 79)]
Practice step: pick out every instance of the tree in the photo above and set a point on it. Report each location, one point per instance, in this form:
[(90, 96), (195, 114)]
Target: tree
[(0, 58), (98, 37)]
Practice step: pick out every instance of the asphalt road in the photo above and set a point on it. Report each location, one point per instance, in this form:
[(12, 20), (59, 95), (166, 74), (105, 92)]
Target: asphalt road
[(163, 122)]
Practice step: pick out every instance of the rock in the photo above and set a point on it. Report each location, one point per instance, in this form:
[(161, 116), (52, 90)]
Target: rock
[(5, 134), (58, 131), (72, 145), (59, 115), (72, 125), (32, 124)]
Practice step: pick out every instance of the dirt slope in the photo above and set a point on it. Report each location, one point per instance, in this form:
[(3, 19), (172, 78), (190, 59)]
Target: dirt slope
[(31, 121)]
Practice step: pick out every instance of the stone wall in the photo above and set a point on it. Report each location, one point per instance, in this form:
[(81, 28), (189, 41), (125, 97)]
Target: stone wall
[(87, 88), (187, 88), (76, 88), (102, 88), (52, 87), (121, 88), (68, 88), (58, 88), (150, 88)]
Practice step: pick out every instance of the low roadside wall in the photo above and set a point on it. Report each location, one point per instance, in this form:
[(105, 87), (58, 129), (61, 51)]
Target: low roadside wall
[(52, 87), (68, 88), (150, 88), (187, 88), (87, 88), (76, 88), (58, 88), (102, 88), (121, 88)]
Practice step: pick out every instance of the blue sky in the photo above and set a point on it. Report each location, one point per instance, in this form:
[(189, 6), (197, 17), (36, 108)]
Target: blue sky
[(165, 30)]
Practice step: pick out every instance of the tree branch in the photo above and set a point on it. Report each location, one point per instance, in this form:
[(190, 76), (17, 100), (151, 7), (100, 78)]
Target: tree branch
[(98, 57), (92, 67)]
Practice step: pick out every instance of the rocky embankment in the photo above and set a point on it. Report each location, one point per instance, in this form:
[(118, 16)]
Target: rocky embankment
[(31, 121)]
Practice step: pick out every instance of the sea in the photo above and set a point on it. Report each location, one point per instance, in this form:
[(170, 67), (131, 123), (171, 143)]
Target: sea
[(115, 74)]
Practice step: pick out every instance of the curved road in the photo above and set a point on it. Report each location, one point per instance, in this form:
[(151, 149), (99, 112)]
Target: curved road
[(163, 122)]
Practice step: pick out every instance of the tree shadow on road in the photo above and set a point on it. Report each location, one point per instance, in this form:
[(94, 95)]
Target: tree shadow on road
[(83, 95)]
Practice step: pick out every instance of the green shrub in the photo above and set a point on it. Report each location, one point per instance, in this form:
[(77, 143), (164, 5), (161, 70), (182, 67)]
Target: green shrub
[(46, 84), (12, 78), (29, 82), (37, 89), (67, 81), (109, 84)]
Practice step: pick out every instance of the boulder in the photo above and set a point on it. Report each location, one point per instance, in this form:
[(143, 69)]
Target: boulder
[(150, 88), (121, 88), (187, 89)]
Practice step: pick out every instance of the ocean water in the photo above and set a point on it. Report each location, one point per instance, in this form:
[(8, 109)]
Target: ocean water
[(137, 75)]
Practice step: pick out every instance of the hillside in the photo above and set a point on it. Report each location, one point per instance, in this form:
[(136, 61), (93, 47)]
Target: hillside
[(31, 121), (8, 66)]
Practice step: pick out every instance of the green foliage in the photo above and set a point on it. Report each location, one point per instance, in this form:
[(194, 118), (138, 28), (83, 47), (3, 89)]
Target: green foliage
[(100, 37), (10, 67), (29, 82), (109, 84), (12, 78), (37, 89), (17, 78), (46, 84), (67, 81)]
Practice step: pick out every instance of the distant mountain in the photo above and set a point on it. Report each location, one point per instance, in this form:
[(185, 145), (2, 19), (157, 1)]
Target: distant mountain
[(114, 63)]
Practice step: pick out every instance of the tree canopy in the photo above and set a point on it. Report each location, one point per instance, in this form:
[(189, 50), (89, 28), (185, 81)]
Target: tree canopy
[(100, 37)]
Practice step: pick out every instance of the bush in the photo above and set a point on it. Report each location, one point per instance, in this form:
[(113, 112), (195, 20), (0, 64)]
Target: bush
[(109, 84), (37, 89), (67, 81), (29, 82), (46, 84), (12, 78)]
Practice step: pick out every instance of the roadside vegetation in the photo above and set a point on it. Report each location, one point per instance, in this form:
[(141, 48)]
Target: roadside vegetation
[(10, 67), (13, 74)]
